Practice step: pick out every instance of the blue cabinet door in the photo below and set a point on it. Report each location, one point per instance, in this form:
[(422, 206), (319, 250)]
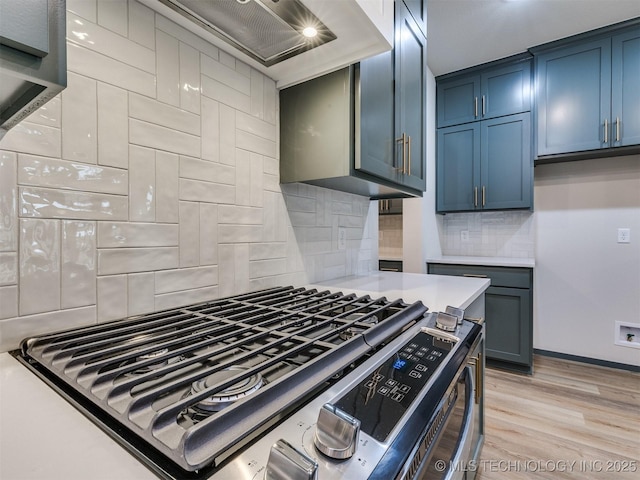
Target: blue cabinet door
[(418, 10), (506, 163), (574, 98), (457, 168), (505, 90), (625, 99), (508, 320), (457, 100), (410, 100), (376, 108)]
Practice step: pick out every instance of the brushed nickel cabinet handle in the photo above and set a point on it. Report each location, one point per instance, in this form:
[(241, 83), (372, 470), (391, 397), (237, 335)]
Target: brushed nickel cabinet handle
[(475, 196), (617, 129), (484, 195), (409, 155), (483, 106), (475, 107), (474, 275), (403, 140), (606, 130)]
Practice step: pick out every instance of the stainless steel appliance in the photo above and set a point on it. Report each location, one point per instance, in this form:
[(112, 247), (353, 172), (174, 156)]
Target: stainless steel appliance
[(283, 383), (33, 57)]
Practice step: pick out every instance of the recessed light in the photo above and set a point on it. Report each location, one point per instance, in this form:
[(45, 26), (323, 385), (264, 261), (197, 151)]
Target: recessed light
[(309, 32)]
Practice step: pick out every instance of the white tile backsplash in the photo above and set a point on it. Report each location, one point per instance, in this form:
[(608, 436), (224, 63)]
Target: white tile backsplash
[(189, 78), (52, 173), (52, 203), (168, 68), (152, 181), (142, 184), (167, 187), (33, 138), (8, 268), (110, 43), (112, 297), (78, 273), (142, 25), (162, 138), (158, 113), (126, 234), (132, 260), (141, 293), (113, 131), (112, 14), (491, 234), (189, 234), (8, 302), (8, 202), (39, 265), (91, 64)]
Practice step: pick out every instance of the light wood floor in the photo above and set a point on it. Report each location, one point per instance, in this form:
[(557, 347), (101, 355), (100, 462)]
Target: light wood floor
[(536, 426)]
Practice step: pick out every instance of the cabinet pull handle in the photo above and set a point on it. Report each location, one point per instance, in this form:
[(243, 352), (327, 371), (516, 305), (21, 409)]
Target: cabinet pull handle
[(484, 195), (483, 106), (479, 385), (617, 129), (474, 275), (403, 140), (475, 107), (409, 154), (475, 196), (606, 130)]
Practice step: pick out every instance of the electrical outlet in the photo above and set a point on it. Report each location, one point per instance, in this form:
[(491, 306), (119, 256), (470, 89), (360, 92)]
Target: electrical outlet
[(464, 235), (342, 238), (624, 235)]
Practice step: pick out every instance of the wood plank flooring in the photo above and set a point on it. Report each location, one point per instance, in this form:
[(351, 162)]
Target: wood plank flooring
[(569, 420)]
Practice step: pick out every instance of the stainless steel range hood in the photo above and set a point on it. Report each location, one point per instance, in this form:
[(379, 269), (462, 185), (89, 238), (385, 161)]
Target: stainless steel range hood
[(33, 57), (269, 31)]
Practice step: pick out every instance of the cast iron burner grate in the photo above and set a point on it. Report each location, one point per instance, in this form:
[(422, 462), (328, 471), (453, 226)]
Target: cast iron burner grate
[(195, 383)]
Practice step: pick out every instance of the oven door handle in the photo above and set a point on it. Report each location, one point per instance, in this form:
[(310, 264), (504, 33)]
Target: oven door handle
[(462, 454)]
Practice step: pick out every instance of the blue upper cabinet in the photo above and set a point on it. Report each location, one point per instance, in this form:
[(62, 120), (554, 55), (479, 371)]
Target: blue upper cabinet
[(392, 105), (485, 165), (588, 94), (418, 10), (625, 94), (410, 100), (574, 98), (484, 93)]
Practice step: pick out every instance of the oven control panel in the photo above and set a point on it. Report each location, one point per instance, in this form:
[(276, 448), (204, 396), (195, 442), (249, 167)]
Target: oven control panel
[(380, 400)]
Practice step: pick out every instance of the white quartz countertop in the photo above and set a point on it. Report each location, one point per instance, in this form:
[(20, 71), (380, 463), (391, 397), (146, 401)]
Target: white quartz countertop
[(43, 437), (484, 261), (435, 291)]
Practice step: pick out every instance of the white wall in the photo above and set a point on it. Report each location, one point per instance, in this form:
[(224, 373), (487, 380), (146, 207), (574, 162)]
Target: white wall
[(152, 181), (584, 280), (421, 226)]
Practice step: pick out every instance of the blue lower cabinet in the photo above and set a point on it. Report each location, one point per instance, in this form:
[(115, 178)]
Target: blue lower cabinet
[(508, 312), (485, 165)]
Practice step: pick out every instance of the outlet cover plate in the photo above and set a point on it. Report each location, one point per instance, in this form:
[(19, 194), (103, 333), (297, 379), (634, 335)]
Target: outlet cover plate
[(624, 235)]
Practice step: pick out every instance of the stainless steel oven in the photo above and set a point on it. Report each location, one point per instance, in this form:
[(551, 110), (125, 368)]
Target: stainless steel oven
[(285, 383)]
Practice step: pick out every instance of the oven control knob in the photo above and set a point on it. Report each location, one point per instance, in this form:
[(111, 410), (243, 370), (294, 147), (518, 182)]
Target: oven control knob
[(288, 463), (337, 433)]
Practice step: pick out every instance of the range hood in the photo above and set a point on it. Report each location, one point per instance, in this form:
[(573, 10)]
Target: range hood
[(269, 31), (267, 34), (33, 57)]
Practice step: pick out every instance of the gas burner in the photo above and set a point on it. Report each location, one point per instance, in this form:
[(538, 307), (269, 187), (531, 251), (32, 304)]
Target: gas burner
[(354, 331), (153, 366), (223, 399)]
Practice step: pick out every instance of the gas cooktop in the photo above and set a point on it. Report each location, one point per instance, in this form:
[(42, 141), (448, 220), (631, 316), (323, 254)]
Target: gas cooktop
[(184, 389)]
